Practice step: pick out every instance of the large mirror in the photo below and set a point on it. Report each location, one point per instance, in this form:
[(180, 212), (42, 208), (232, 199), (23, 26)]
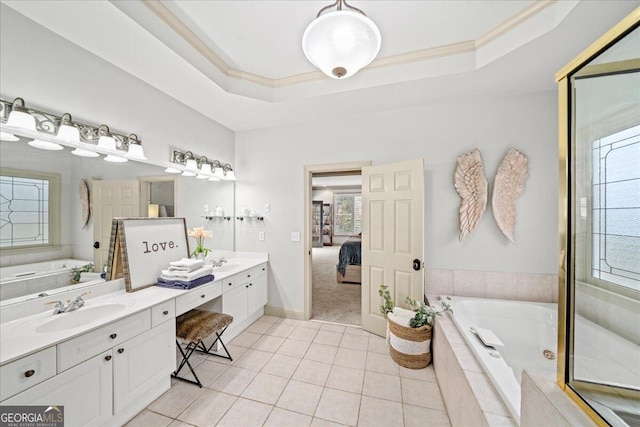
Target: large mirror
[(43, 214)]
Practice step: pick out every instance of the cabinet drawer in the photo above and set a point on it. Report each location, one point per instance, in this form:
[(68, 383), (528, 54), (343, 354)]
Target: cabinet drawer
[(85, 346), (228, 284), (21, 374), (251, 274), (162, 312), (198, 296)]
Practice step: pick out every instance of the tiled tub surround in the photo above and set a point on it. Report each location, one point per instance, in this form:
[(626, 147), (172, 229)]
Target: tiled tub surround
[(492, 284), (527, 329), (24, 279), (467, 388), (28, 256), (296, 373)]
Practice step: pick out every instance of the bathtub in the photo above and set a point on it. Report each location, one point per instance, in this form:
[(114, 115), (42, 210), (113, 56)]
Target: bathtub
[(528, 331), (26, 279)]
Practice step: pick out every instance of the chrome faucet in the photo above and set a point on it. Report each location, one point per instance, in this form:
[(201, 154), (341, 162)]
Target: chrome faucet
[(219, 262), (59, 306)]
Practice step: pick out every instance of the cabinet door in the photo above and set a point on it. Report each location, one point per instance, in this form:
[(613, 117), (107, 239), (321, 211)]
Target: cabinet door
[(257, 295), (85, 391), (141, 362), (234, 303)]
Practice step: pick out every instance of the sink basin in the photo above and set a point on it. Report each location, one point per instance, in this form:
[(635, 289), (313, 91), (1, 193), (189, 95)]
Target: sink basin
[(79, 317), (226, 267)]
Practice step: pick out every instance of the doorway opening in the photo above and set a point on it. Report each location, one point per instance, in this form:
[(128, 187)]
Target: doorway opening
[(333, 209)]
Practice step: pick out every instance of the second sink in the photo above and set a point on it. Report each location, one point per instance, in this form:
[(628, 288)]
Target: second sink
[(80, 317)]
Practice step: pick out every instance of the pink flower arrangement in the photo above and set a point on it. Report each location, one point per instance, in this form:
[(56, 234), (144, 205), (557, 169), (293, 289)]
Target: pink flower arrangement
[(200, 234)]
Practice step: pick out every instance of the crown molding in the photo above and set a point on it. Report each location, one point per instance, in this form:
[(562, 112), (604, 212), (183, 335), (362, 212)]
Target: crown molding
[(468, 46)]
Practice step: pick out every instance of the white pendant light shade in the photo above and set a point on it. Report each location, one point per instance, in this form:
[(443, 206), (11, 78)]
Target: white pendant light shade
[(81, 152), (67, 131), (115, 159), (218, 173), (107, 143), (230, 176), (69, 134), (187, 173), (213, 178), (191, 165), (201, 176), (172, 170), (45, 145), (5, 136), (19, 117), (206, 169), (342, 42), (136, 152)]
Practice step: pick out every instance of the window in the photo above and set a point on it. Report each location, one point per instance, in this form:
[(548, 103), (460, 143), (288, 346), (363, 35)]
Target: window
[(29, 209), (348, 213), (615, 222)]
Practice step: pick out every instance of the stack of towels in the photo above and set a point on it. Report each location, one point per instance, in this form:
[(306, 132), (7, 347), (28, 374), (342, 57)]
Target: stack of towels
[(185, 274)]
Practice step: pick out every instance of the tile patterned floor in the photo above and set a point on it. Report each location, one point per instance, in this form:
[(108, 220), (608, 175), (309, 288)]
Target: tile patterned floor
[(301, 373)]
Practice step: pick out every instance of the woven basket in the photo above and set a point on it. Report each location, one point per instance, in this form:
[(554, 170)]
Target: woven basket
[(410, 347)]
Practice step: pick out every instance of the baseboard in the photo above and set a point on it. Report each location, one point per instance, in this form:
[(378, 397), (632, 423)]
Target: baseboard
[(287, 313)]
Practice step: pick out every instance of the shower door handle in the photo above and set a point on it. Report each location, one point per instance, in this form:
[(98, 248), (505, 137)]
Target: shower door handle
[(96, 245), (417, 264)]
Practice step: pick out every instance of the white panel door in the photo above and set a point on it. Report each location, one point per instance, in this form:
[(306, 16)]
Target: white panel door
[(111, 199), (392, 236)]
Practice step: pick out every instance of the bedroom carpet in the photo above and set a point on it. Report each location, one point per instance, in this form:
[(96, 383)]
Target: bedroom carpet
[(332, 301)]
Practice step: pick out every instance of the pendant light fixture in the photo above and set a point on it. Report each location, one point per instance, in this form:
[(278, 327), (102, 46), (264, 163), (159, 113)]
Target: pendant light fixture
[(106, 142), (68, 131), (135, 148), (341, 42), (45, 145), (6, 136), (20, 118)]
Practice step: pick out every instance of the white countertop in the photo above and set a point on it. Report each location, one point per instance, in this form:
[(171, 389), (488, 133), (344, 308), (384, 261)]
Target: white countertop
[(19, 337)]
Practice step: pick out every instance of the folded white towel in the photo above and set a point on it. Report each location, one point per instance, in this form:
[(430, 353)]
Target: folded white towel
[(404, 321), (402, 312), (187, 276), (186, 264)]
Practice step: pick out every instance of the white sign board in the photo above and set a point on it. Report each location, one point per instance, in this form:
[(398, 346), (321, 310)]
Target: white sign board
[(146, 247)]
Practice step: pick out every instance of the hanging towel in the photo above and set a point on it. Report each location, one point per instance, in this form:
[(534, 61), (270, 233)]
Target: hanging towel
[(186, 264), (181, 284)]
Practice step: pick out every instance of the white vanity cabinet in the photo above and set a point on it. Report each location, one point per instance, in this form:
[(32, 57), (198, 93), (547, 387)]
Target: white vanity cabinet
[(85, 391), (141, 362), (246, 301), (107, 375)]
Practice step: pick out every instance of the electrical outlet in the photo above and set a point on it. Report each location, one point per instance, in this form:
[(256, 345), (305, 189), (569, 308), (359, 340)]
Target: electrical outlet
[(267, 207), (205, 209), (295, 236), (261, 235)]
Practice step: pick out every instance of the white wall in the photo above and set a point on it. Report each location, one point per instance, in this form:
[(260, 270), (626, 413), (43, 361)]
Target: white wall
[(55, 75), (272, 162)]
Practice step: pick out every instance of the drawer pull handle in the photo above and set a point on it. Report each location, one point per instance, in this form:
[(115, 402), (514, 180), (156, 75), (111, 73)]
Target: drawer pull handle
[(250, 284), (264, 268), (165, 312), (248, 275), (29, 373), (113, 336), (230, 283), (121, 350), (246, 286), (202, 296), (107, 358)]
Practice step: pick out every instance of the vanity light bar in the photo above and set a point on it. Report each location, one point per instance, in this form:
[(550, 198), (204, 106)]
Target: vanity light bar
[(57, 127), (199, 166)]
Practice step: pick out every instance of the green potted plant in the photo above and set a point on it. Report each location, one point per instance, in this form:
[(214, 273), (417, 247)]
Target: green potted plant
[(409, 331)]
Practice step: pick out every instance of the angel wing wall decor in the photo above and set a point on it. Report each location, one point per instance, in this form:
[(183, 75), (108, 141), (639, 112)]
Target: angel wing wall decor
[(471, 185), (507, 186), (83, 192)]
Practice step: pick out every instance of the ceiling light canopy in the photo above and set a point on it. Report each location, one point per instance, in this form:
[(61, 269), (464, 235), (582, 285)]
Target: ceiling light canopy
[(341, 42)]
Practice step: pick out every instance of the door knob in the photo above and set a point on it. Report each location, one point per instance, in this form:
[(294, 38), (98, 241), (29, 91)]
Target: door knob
[(96, 245), (417, 264)]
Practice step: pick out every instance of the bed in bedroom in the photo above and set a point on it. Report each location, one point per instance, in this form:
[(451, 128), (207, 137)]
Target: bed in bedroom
[(348, 269)]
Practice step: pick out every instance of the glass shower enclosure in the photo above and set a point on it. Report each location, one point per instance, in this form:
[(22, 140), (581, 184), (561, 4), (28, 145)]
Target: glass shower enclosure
[(599, 299)]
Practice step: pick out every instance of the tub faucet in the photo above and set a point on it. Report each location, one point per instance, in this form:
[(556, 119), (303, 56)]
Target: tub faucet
[(219, 262), (59, 306)]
